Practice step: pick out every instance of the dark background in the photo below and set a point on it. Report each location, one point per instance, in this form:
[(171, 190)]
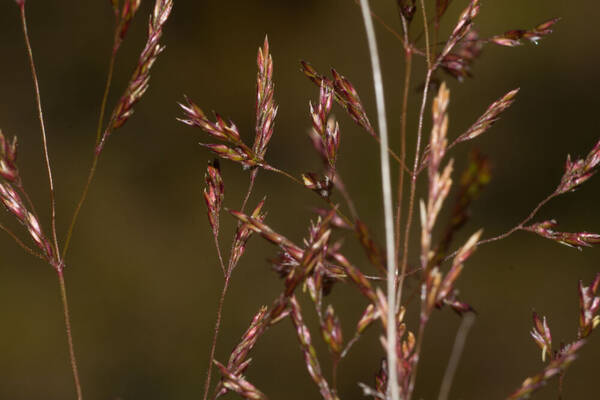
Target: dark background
[(142, 275)]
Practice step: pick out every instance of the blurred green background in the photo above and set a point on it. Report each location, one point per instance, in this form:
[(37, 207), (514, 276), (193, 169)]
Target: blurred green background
[(142, 274)]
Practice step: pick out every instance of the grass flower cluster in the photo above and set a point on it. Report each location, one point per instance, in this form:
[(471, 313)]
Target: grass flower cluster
[(312, 268)]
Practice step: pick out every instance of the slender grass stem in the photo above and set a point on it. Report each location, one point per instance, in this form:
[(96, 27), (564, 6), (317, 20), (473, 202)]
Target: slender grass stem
[(84, 193), (72, 358), (111, 68), (213, 347), (341, 187), (514, 229), (413, 184), (42, 126), (457, 350), (413, 181), (403, 117), (411, 200), (219, 255), (426, 30), (387, 201), (90, 178), (228, 272), (282, 172)]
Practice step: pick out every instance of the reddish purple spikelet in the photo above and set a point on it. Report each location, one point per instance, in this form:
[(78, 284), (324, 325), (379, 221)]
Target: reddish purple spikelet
[(579, 171), (350, 100), (571, 239), (513, 38), (235, 150), (309, 352), (321, 184), (489, 117), (233, 378), (589, 305), (243, 234), (439, 289), (345, 94), (541, 335), (329, 133), (266, 110), (332, 331), (238, 384), (15, 205), (8, 158), (256, 225), (370, 315), (336, 221), (462, 27), (358, 278), (458, 63), (439, 184), (213, 194), (128, 11), (407, 9), (554, 368), (10, 182), (139, 81), (375, 254)]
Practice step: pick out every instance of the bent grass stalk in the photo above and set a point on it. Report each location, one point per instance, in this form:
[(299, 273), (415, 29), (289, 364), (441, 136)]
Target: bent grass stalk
[(9, 175), (57, 262)]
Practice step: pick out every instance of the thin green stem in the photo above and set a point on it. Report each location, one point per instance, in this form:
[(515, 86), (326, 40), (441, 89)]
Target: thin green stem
[(72, 358), (42, 126)]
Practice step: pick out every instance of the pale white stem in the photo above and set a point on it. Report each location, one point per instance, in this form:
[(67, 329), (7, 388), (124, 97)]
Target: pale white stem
[(457, 350), (386, 180)]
